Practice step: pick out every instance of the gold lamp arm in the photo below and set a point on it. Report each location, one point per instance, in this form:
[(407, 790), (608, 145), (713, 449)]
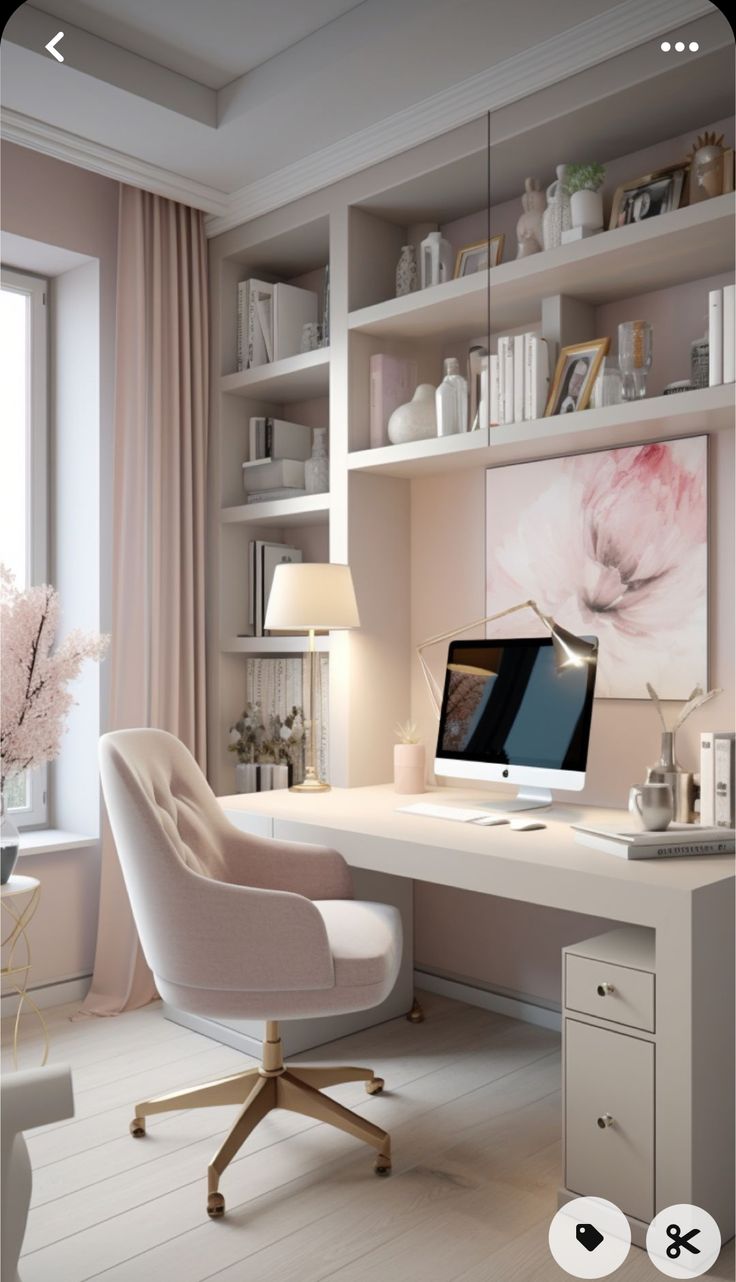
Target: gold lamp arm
[(435, 692)]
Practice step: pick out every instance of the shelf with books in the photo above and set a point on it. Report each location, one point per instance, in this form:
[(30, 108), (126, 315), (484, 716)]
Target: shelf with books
[(706, 410), (310, 509), (273, 645), (295, 378)]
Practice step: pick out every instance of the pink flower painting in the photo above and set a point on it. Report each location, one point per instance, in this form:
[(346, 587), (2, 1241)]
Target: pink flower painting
[(612, 544)]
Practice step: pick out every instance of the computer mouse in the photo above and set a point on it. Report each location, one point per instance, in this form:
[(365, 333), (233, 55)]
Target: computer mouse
[(526, 825), (490, 820)]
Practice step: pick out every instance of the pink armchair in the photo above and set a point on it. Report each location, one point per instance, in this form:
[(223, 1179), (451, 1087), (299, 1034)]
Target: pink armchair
[(243, 926)]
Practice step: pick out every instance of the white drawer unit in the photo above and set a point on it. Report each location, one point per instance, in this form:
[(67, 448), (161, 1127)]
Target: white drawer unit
[(609, 1063), (609, 1114)]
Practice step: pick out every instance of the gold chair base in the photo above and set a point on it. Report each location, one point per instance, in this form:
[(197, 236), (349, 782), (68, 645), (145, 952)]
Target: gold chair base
[(258, 1091)]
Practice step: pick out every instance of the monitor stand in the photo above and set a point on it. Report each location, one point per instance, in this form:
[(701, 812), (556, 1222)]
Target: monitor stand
[(525, 799)]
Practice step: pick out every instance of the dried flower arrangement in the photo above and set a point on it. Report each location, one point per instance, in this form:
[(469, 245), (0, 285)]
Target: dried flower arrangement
[(280, 740), (407, 732), (695, 700)]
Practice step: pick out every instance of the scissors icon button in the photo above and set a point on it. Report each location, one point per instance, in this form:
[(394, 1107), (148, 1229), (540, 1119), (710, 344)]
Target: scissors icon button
[(680, 1241)]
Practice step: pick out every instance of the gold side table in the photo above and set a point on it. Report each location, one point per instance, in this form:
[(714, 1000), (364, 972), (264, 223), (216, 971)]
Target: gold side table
[(12, 970)]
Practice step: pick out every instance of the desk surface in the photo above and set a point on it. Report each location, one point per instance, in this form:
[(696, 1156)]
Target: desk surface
[(373, 812)]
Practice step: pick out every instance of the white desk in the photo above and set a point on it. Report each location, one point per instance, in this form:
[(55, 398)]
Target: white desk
[(688, 903)]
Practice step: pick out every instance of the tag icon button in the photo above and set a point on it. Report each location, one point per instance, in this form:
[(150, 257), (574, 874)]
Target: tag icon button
[(588, 1236)]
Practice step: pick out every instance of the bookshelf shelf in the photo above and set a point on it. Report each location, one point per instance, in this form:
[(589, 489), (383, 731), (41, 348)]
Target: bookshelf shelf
[(273, 645), (296, 378), (310, 509), (710, 409), (458, 309)]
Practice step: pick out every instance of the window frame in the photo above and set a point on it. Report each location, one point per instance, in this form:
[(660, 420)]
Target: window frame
[(36, 289)]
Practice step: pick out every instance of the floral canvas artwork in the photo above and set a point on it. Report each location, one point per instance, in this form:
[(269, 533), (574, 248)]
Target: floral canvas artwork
[(611, 544)]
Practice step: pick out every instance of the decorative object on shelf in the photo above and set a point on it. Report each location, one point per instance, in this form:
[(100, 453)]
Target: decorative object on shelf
[(271, 318), (648, 197), (281, 682), (667, 769), (728, 171), (681, 385), (269, 756), (435, 260), (451, 400), (326, 308), (479, 257), (608, 388), (407, 276), (635, 357), (577, 369), (317, 468), (586, 202), (706, 158), (415, 421), (722, 335), (34, 694), (699, 362), (409, 760), (652, 805), (265, 555), (312, 598), (557, 217), (529, 234), (312, 336), (585, 535), (570, 651)]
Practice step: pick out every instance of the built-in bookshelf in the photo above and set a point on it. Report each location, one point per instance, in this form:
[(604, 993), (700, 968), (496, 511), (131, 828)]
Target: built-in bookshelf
[(382, 501)]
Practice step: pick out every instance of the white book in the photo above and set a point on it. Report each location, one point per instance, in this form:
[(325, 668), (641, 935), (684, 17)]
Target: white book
[(493, 391), (729, 333), (679, 840), (256, 437), (519, 367), (707, 795), (723, 780), (278, 438), (242, 331), (255, 349), (528, 377), (537, 380), (273, 555), (271, 474), (506, 378), (292, 309), (715, 337)]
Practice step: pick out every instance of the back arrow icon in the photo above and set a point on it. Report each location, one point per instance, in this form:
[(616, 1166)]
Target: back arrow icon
[(51, 46)]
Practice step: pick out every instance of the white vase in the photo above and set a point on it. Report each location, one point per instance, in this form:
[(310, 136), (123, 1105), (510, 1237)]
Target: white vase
[(406, 272), (415, 421), (557, 217), (409, 761), (586, 210), (435, 260), (317, 468)]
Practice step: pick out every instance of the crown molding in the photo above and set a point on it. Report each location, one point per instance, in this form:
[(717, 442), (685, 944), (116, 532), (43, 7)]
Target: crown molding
[(37, 135), (589, 43)]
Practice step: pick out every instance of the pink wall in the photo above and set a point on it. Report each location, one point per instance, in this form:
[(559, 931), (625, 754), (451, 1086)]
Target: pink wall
[(58, 204)]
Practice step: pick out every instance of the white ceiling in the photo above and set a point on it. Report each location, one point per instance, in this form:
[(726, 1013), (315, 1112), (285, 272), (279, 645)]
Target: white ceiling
[(210, 41)]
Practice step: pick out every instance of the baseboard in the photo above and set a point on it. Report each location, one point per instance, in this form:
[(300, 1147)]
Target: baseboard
[(514, 1007), (66, 990)]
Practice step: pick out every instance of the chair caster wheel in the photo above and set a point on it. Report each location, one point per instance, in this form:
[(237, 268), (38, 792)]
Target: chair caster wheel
[(382, 1165), (215, 1206), (138, 1127), (375, 1086)]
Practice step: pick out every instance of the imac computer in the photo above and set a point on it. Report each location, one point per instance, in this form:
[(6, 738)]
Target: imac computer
[(512, 714)]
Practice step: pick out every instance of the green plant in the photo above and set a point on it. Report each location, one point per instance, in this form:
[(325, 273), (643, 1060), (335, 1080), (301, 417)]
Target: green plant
[(585, 177), (406, 732)]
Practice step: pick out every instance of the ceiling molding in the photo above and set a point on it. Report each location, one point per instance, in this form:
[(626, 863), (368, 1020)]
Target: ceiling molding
[(589, 43), (62, 145), (584, 46)]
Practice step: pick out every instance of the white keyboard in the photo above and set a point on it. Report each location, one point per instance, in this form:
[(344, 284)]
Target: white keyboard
[(456, 813)]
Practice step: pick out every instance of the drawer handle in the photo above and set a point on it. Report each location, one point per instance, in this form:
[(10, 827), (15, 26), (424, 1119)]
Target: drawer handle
[(605, 1120), (605, 990)]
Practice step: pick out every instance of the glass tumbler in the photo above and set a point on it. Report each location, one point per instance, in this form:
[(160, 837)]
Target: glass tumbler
[(634, 357)]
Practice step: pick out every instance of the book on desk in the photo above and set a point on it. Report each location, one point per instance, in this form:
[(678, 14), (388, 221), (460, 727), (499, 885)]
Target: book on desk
[(677, 841)]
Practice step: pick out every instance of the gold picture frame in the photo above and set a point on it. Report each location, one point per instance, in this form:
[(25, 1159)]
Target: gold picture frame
[(649, 196), (478, 257), (564, 390)]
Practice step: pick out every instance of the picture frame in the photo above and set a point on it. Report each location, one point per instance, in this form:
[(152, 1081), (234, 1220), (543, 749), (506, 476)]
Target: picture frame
[(578, 366), (480, 256), (649, 196)]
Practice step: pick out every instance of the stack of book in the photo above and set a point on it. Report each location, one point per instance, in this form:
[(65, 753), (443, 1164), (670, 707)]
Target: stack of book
[(265, 556), (683, 840), (722, 335), (519, 379), (270, 321), (718, 778), (277, 452)]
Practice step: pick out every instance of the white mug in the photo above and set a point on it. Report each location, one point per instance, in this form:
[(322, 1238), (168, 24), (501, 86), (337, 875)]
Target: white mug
[(653, 805)]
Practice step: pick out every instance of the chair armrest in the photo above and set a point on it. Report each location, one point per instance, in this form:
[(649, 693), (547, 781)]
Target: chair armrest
[(237, 938), (35, 1097), (316, 872)]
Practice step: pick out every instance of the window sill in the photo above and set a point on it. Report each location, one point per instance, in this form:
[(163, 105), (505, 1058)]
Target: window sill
[(46, 840)]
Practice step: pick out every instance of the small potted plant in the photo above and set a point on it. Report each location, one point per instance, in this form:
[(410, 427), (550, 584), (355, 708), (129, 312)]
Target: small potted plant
[(408, 759), (586, 202)]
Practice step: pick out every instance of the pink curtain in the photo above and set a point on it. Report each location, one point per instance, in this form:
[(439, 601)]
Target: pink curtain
[(160, 461)]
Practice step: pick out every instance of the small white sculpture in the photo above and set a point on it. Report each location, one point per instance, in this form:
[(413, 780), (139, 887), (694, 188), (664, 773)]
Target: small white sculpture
[(415, 421), (529, 227), (435, 260)]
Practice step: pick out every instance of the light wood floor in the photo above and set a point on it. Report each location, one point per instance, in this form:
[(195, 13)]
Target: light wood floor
[(472, 1101)]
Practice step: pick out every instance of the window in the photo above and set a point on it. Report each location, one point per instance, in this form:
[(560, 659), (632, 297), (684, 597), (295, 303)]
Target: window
[(24, 453)]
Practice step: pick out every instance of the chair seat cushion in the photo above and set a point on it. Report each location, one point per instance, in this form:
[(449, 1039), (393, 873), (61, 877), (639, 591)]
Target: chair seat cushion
[(365, 941)]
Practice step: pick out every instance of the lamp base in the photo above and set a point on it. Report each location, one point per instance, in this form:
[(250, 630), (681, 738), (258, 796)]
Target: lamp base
[(310, 783)]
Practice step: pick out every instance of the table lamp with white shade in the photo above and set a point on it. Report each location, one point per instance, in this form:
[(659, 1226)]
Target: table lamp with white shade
[(308, 597)]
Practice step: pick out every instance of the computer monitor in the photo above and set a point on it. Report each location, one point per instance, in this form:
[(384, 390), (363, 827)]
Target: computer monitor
[(511, 714)]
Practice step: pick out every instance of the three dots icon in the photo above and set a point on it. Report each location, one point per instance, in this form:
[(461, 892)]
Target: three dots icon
[(679, 46)]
